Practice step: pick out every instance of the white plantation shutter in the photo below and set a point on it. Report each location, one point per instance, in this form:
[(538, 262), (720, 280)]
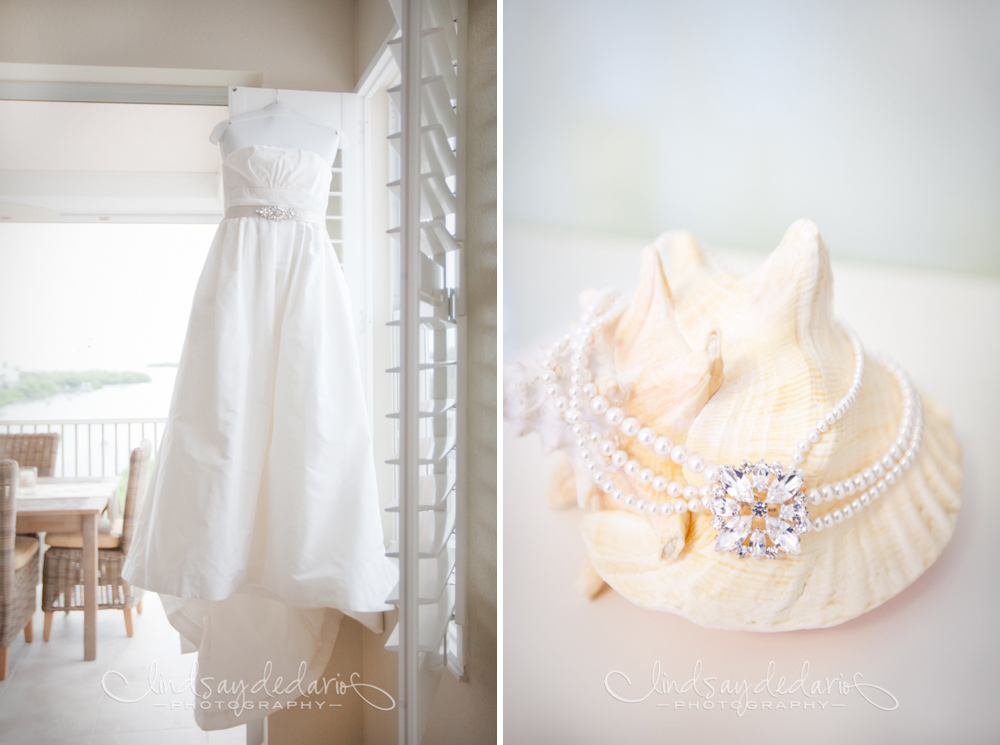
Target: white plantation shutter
[(429, 329)]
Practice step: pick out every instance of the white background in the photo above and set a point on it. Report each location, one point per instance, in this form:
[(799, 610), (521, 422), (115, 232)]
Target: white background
[(878, 120)]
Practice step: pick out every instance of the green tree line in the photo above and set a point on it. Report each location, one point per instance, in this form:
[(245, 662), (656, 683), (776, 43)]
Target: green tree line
[(34, 385)]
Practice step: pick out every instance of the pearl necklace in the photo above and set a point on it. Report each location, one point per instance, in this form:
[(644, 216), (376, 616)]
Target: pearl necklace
[(736, 495)]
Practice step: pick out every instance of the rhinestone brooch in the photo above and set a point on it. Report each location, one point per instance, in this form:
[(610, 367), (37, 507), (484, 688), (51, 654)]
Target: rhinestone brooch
[(759, 510), (276, 213)]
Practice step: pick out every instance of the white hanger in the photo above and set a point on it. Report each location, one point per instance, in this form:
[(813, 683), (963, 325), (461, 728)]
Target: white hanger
[(276, 108)]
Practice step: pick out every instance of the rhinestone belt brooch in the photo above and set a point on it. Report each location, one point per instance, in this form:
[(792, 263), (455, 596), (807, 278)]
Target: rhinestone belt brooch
[(276, 213)]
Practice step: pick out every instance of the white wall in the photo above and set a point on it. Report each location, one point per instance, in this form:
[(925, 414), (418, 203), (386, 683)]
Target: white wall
[(879, 120)]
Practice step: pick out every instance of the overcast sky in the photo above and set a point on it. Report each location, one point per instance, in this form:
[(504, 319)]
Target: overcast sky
[(86, 296)]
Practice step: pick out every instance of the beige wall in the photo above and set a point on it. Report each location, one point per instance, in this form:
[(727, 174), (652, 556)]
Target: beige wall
[(465, 713), (300, 44), (373, 20)]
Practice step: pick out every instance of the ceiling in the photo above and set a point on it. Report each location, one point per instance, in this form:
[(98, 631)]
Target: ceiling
[(116, 162)]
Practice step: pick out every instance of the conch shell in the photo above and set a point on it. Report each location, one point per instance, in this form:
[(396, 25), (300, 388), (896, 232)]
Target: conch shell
[(741, 367)]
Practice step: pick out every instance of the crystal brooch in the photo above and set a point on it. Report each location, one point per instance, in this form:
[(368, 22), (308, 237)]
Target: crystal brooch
[(276, 213), (760, 510)]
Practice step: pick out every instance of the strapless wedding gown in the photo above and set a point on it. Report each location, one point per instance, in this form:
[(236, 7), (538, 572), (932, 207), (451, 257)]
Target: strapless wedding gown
[(261, 524)]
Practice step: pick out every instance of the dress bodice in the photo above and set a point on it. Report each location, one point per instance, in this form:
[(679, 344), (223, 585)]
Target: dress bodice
[(260, 175)]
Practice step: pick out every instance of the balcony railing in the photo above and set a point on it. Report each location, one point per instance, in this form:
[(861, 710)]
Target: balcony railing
[(92, 447)]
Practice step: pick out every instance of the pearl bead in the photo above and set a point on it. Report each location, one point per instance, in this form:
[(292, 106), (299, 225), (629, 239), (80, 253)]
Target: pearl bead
[(572, 416), (680, 506), (813, 436), (576, 379), (868, 476), (873, 494), (618, 495), (797, 457), (711, 474), (645, 476), (838, 516), (666, 508), (607, 447), (619, 457), (660, 483), (580, 428), (552, 390), (560, 404), (827, 492), (599, 477), (595, 437), (632, 467), (630, 427), (575, 391), (615, 415), (694, 505), (827, 521), (865, 499), (548, 376), (706, 492), (856, 505), (599, 404), (829, 420), (678, 454), (803, 445), (674, 489), (608, 486), (589, 390), (630, 499), (662, 445), (581, 442), (641, 504), (646, 436), (814, 496), (706, 501), (822, 426), (846, 511), (816, 525), (847, 487), (576, 403), (696, 463)]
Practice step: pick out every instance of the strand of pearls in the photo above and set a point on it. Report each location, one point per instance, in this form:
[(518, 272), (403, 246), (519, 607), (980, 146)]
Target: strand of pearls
[(603, 455), (873, 482)]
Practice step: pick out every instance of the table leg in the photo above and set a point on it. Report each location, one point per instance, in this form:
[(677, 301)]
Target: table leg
[(89, 587)]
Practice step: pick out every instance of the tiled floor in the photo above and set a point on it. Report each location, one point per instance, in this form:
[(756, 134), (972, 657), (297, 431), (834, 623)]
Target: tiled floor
[(52, 697)]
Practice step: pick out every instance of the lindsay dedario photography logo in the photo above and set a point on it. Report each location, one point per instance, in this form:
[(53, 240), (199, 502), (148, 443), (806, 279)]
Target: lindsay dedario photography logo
[(268, 692), (771, 692)]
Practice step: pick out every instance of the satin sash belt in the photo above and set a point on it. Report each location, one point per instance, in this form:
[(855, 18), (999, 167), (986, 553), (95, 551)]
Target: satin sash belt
[(277, 213)]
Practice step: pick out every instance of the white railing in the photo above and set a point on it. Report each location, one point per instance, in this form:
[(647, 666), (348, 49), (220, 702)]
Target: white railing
[(92, 447)]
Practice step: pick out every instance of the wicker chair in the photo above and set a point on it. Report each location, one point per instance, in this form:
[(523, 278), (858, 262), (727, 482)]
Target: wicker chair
[(18, 568), (32, 449), (62, 574)]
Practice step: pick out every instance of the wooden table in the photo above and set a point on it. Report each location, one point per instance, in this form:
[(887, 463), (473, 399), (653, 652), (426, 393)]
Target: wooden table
[(66, 505)]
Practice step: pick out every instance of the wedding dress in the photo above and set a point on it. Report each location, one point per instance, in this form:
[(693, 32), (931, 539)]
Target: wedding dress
[(261, 524)]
